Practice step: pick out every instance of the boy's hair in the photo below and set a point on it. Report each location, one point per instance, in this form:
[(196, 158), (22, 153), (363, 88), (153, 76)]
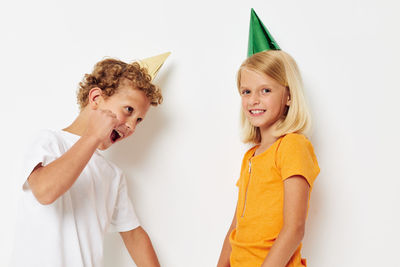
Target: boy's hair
[(109, 73), (281, 67)]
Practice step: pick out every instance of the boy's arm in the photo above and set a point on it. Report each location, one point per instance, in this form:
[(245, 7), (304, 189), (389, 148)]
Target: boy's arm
[(296, 191), (224, 258), (140, 248), (51, 181)]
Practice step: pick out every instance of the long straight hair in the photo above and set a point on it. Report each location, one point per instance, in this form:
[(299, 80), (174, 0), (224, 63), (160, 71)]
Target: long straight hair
[(281, 67)]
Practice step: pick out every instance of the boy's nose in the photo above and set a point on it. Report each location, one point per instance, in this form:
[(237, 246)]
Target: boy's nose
[(130, 125)]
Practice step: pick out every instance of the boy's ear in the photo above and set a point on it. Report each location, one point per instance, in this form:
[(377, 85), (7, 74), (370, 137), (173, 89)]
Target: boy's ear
[(94, 97)]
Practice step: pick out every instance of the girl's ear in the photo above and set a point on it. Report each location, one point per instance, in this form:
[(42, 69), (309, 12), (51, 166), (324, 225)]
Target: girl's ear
[(95, 97), (289, 99)]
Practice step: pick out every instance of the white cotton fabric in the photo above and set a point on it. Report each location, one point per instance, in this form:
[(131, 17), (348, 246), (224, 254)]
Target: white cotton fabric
[(70, 231)]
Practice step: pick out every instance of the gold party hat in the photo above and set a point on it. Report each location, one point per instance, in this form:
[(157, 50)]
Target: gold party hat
[(153, 64)]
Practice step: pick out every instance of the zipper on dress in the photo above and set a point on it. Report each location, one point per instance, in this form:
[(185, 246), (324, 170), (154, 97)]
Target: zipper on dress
[(245, 196)]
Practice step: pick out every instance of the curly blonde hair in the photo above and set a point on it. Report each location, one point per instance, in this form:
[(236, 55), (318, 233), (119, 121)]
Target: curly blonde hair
[(109, 73)]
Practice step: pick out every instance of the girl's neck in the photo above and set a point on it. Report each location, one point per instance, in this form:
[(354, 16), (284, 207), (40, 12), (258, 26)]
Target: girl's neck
[(267, 139)]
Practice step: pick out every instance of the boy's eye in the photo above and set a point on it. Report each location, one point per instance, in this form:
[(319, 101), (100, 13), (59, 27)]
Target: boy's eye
[(139, 120), (129, 109), (266, 90)]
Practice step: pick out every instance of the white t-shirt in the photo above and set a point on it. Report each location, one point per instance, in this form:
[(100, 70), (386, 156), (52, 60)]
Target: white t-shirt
[(70, 231)]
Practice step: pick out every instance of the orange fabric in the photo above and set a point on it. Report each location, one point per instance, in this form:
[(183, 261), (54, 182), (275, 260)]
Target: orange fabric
[(260, 202)]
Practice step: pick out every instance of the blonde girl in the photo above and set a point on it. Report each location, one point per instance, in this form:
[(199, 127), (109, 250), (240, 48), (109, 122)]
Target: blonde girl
[(278, 173)]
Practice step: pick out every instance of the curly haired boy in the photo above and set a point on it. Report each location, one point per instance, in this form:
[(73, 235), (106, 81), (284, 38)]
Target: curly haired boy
[(72, 195)]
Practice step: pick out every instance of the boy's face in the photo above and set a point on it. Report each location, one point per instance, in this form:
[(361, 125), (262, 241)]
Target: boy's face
[(129, 105)]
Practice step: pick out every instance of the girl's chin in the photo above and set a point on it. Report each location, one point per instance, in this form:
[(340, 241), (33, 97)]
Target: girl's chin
[(257, 123), (261, 125)]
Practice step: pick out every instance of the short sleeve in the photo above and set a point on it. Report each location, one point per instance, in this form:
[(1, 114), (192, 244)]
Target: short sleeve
[(296, 157), (44, 149), (124, 217)]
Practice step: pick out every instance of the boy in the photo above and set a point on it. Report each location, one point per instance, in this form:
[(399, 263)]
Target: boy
[(71, 194)]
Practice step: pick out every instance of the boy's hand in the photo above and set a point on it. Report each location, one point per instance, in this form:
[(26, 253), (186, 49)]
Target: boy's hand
[(101, 123)]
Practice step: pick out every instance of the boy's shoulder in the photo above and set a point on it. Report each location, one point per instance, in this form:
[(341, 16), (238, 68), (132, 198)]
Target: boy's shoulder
[(45, 134), (44, 137), (59, 141)]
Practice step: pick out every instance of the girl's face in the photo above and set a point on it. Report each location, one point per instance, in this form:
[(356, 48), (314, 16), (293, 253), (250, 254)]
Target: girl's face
[(264, 100)]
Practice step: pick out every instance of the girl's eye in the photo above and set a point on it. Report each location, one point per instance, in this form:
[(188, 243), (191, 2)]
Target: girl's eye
[(266, 90), (245, 92), (129, 109)]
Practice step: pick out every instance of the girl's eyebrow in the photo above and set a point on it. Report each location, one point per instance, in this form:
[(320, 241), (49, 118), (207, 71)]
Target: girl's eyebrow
[(265, 85), (260, 86)]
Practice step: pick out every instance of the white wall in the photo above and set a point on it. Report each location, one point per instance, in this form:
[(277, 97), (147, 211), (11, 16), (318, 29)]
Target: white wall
[(183, 162)]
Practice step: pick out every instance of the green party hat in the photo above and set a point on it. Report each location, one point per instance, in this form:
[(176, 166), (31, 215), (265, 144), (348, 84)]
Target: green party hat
[(259, 37)]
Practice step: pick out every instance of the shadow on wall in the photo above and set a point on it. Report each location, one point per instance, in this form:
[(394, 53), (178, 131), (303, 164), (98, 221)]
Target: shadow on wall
[(315, 219), (314, 224)]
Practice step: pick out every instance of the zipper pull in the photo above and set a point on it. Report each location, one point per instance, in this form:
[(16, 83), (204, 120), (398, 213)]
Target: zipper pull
[(249, 166)]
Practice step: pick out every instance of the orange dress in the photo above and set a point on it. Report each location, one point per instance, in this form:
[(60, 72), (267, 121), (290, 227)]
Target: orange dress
[(259, 214)]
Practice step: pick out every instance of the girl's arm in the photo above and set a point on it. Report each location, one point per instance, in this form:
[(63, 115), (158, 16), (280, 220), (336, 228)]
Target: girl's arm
[(140, 248), (226, 248), (296, 192)]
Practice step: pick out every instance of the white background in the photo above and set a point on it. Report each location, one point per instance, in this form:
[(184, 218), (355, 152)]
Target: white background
[(183, 161)]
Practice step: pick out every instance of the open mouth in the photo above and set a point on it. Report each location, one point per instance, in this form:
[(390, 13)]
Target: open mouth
[(115, 135), (257, 111)]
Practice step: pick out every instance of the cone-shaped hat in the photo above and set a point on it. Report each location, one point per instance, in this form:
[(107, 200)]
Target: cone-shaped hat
[(153, 64), (259, 37)]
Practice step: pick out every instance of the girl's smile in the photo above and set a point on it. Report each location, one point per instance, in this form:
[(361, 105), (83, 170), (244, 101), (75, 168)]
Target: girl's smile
[(257, 112)]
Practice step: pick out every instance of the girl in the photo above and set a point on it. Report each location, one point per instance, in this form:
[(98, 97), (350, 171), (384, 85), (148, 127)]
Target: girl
[(278, 173)]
